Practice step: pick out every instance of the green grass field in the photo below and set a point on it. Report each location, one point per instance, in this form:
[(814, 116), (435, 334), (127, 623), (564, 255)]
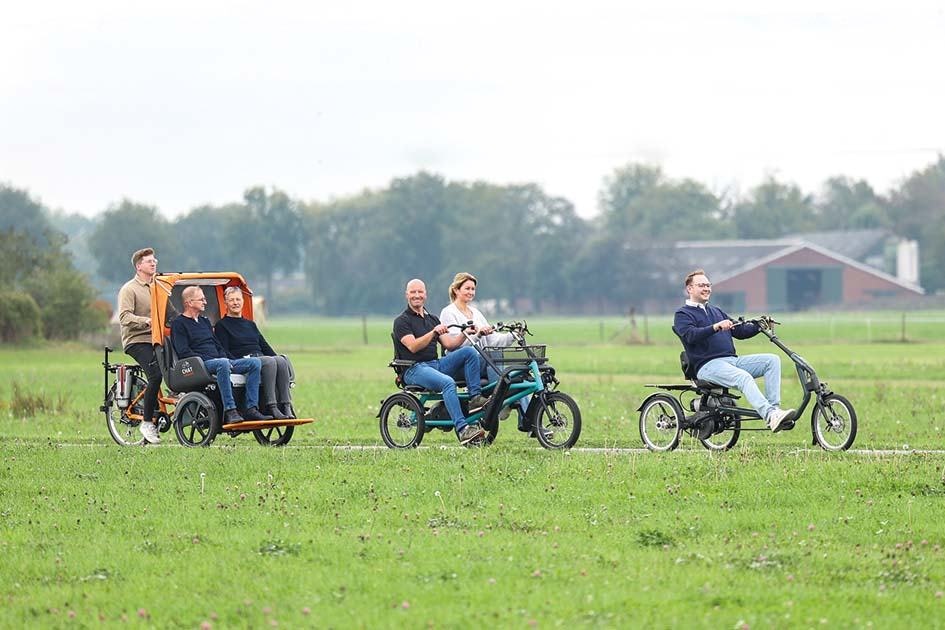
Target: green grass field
[(774, 533)]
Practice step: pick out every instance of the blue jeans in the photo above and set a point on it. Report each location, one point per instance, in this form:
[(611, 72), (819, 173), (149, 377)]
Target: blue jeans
[(741, 372), (222, 368), (438, 375)]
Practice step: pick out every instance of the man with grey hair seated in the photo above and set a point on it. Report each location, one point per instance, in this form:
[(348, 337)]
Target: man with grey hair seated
[(192, 336), (240, 337)]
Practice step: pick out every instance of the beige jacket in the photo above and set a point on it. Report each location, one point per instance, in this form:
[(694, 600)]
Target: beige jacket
[(134, 312)]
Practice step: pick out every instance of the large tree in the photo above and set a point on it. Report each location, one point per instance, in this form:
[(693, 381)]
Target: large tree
[(773, 209), (918, 212), (126, 228), (638, 202), (203, 239), (35, 261), (267, 238), (848, 204)]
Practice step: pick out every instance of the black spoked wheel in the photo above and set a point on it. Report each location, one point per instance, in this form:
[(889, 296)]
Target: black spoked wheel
[(401, 421), (274, 436), (556, 419), (834, 423), (661, 419), (124, 430), (726, 438), (195, 420)]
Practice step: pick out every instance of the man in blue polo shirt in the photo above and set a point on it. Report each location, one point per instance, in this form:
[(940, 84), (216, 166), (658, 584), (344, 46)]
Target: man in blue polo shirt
[(706, 333), (416, 332)]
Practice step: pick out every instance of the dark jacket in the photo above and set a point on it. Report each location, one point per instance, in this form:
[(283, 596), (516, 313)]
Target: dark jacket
[(240, 337), (195, 338), (693, 326)]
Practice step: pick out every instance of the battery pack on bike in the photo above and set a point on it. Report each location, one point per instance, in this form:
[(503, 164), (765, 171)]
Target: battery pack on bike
[(124, 377)]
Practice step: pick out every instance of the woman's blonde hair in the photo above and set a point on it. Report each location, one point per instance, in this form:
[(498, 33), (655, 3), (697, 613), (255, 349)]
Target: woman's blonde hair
[(459, 280)]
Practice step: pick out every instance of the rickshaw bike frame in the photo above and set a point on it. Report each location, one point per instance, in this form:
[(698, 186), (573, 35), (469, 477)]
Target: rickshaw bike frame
[(193, 394)]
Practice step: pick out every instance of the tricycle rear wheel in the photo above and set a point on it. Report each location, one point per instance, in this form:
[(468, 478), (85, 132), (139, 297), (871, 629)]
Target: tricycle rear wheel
[(726, 439), (401, 421), (661, 420)]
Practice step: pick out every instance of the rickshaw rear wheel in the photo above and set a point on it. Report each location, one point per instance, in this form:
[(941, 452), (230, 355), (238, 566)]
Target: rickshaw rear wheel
[(123, 429), (557, 422), (195, 420), (274, 436), (401, 421)]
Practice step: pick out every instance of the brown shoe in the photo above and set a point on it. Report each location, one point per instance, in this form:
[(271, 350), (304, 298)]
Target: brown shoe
[(470, 433), (477, 402)]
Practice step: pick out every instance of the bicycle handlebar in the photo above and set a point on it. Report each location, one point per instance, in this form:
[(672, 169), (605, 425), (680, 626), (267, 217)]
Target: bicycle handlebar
[(462, 326), (517, 327), (764, 321)]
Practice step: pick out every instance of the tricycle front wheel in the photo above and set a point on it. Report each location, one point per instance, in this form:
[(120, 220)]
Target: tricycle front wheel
[(556, 420), (834, 423)]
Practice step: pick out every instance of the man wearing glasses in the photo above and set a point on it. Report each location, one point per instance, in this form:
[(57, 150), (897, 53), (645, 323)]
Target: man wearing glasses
[(134, 317), (706, 333), (192, 336)]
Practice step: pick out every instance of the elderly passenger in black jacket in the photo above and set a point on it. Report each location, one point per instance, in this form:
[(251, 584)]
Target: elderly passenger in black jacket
[(240, 337)]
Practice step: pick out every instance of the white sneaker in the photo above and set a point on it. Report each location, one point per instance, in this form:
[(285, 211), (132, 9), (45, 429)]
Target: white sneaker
[(778, 418), (149, 432)]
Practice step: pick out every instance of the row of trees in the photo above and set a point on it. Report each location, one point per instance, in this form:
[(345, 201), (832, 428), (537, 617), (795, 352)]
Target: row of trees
[(357, 252), (41, 292)]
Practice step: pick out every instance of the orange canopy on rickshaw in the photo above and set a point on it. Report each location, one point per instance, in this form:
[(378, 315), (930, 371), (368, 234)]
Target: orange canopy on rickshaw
[(165, 300)]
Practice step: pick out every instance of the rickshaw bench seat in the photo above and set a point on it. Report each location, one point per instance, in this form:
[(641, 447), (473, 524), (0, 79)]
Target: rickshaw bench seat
[(190, 374)]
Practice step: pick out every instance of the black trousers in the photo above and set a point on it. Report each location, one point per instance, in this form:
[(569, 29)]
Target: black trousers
[(143, 353)]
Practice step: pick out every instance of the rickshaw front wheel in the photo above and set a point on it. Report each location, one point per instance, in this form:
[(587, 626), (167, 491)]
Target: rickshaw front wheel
[(195, 420)]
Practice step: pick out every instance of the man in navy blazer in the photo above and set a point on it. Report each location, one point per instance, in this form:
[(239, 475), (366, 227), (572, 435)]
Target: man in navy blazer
[(706, 333)]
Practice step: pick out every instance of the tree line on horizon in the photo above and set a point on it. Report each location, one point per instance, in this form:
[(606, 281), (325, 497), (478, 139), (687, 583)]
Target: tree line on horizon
[(355, 253)]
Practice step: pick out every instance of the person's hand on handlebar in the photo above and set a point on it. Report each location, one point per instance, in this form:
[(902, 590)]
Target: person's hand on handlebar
[(725, 324), (469, 328), (486, 330)]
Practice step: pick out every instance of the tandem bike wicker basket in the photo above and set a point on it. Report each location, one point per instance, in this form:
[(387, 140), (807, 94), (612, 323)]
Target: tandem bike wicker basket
[(512, 356)]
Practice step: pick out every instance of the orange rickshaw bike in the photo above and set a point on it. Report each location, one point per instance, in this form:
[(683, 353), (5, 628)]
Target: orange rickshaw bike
[(189, 399)]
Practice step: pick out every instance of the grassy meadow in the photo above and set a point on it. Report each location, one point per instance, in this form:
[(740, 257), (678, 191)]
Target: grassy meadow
[(774, 533)]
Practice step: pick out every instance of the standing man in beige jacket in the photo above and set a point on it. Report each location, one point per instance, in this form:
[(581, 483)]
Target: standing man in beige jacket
[(134, 315)]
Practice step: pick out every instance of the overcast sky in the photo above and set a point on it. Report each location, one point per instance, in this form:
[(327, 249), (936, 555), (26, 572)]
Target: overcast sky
[(178, 103)]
